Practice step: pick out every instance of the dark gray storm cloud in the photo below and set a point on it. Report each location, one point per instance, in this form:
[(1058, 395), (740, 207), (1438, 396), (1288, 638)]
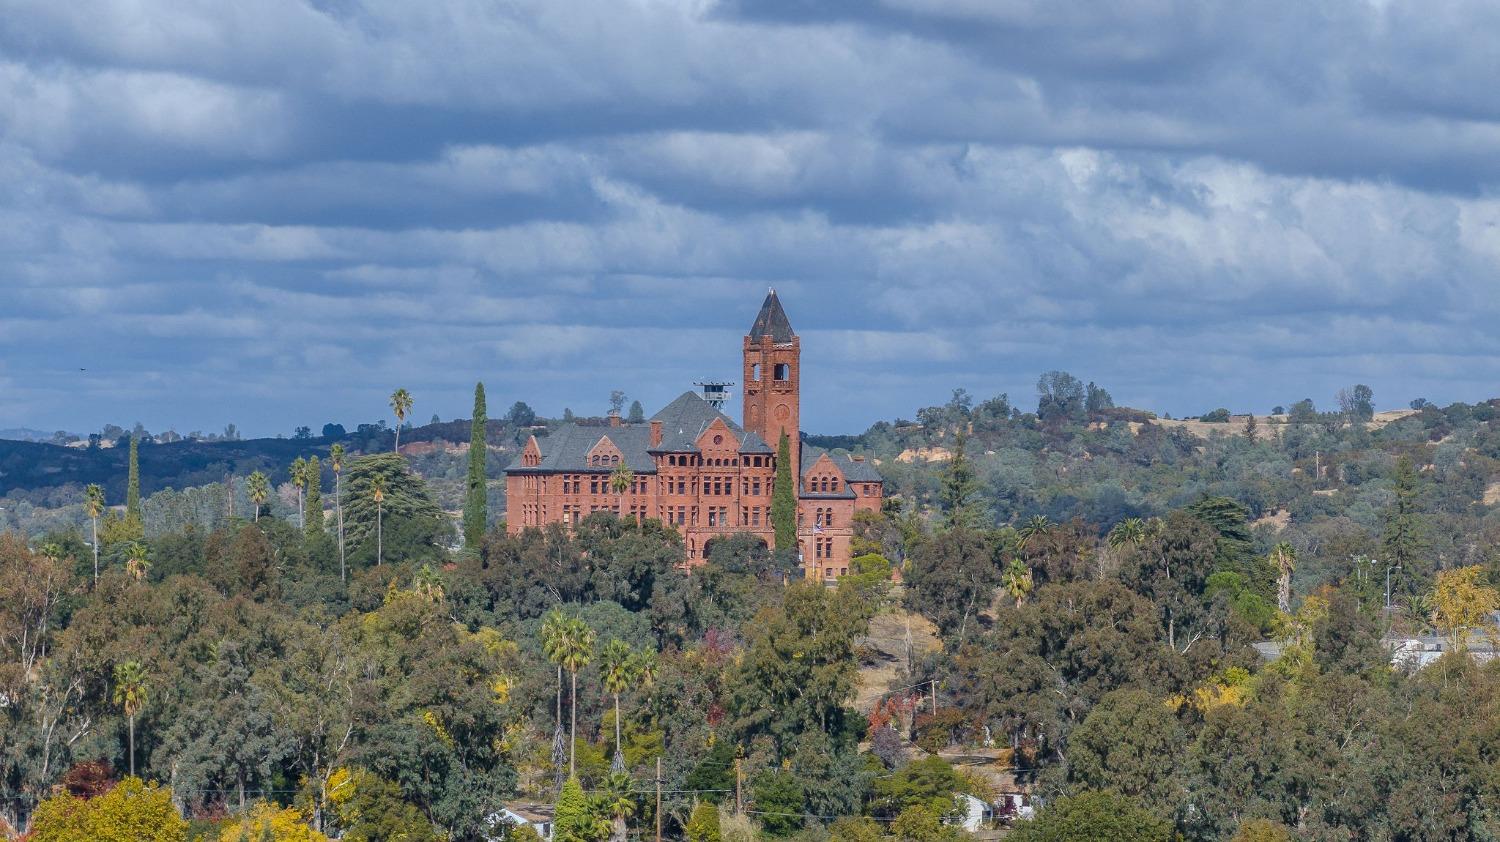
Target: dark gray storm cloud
[(275, 213)]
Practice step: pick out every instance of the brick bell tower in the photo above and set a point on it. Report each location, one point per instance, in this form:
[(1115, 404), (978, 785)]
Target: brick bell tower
[(773, 378)]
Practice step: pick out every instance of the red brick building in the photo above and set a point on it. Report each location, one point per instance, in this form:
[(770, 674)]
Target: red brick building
[(693, 467)]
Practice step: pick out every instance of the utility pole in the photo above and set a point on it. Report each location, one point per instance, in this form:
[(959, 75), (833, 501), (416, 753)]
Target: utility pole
[(1388, 570), (658, 798), (934, 697), (739, 788)]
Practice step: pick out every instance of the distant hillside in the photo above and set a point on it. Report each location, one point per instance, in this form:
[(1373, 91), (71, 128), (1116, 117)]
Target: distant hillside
[(25, 434), (51, 475)]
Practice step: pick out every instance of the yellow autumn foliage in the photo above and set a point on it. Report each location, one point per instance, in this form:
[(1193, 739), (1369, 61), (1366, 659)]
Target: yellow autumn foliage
[(133, 811), (283, 825)]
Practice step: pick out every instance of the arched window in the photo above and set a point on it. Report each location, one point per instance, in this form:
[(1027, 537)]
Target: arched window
[(782, 372), (755, 372)]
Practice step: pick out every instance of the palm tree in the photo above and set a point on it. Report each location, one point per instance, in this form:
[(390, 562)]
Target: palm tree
[(428, 582), (1017, 580), (131, 693), (1130, 532), (1284, 556), (94, 504), (377, 492), (621, 478), (400, 404), (616, 668), (1035, 528), (618, 800), (258, 486), (336, 461), (554, 625), (299, 479), (577, 652), (136, 563)]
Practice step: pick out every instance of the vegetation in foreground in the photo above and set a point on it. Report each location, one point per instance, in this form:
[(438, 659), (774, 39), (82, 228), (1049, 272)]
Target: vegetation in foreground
[(301, 670)]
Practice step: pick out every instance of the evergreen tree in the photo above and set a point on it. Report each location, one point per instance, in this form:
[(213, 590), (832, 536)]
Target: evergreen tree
[(312, 510), (784, 498), (959, 489), (476, 507), (637, 413), (703, 825), (573, 821), (1250, 428), (1402, 536), (133, 513)]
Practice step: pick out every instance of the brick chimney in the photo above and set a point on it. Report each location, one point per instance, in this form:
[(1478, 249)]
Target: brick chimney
[(614, 418), (655, 433)]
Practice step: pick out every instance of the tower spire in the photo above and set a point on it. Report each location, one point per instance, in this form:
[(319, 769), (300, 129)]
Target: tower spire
[(772, 321)]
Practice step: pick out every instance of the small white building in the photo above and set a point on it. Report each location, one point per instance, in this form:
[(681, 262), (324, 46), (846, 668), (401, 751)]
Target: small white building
[(975, 812), (535, 816)]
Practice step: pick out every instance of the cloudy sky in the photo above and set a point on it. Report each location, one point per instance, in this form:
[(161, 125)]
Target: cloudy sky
[(274, 213)]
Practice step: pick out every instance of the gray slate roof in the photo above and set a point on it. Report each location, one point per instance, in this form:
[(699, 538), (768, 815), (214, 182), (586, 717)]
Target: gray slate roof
[(772, 321), (683, 421), (567, 449), (853, 470)]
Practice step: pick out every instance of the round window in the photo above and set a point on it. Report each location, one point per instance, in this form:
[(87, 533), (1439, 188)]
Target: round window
[(718, 439)]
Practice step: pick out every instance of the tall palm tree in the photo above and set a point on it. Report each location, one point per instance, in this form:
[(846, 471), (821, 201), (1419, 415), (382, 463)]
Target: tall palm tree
[(336, 461), (1035, 528), (258, 486), (401, 405), (1284, 556), (94, 504), (554, 625), (299, 479), (1017, 580), (136, 563), (578, 651), (377, 492), (616, 668), (131, 694)]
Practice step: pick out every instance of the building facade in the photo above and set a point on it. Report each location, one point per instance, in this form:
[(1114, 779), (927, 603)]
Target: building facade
[(692, 467)]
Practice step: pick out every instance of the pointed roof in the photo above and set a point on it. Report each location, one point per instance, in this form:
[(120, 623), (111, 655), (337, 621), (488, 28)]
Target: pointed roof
[(772, 321)]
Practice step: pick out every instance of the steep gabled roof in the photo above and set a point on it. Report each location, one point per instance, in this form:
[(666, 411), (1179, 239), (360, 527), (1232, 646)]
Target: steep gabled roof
[(772, 321), (568, 448), (684, 420), (853, 470)]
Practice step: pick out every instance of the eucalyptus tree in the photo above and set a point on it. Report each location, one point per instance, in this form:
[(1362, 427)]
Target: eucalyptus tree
[(1284, 556)]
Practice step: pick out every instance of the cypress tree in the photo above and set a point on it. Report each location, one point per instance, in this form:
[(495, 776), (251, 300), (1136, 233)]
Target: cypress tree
[(572, 821), (1402, 536), (312, 513), (784, 498), (133, 514), (476, 506)]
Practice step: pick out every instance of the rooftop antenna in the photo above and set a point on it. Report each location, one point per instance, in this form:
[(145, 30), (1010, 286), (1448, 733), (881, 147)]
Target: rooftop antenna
[(715, 392)]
